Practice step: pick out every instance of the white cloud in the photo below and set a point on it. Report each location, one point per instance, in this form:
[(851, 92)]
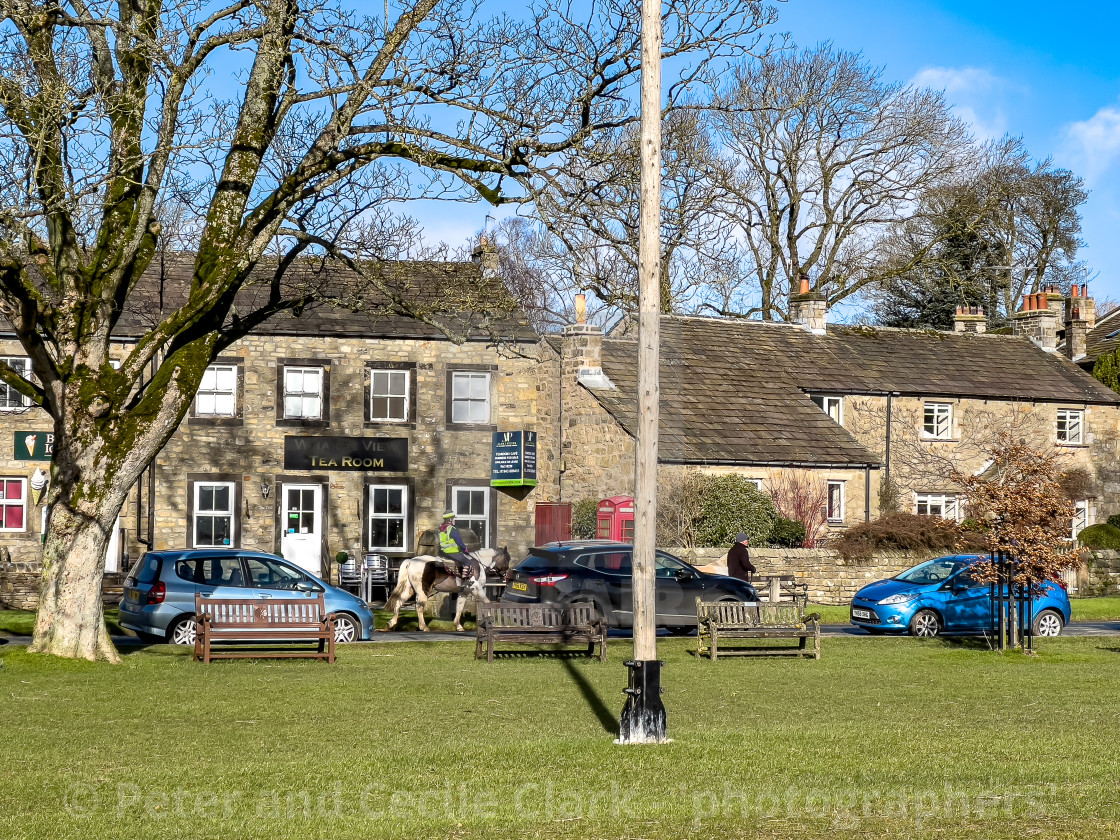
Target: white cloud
[(976, 95), (1095, 143)]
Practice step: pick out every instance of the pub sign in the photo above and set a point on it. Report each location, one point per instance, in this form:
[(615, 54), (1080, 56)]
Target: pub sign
[(513, 459)]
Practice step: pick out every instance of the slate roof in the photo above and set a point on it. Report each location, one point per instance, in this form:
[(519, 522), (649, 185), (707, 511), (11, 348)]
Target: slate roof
[(1104, 337), (737, 391), (165, 285)]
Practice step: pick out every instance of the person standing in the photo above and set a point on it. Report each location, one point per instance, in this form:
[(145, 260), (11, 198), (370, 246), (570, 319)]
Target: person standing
[(739, 559), (451, 545)]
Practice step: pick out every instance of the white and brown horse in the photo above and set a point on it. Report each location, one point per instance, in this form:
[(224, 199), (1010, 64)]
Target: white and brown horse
[(423, 575)]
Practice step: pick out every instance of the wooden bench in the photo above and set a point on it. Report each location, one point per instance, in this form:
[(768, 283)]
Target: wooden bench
[(258, 621), (540, 624), (723, 620)]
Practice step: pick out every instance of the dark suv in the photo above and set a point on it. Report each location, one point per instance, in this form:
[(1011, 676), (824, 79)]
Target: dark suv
[(599, 572)]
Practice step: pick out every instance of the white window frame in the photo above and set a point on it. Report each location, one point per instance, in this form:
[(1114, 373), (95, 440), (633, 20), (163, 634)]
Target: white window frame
[(7, 503), (950, 504), (1082, 517), (828, 402), (470, 376), (462, 521), (22, 365), (373, 393), (942, 411), (208, 396), (303, 395), (1070, 427), (231, 513), (757, 482), (371, 515), (830, 514)]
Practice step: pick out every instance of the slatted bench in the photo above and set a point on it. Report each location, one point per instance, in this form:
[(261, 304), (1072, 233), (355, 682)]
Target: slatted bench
[(257, 622), (540, 624), (723, 620)]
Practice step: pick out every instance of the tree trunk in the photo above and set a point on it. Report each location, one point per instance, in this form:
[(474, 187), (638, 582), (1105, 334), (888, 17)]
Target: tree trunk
[(71, 619)]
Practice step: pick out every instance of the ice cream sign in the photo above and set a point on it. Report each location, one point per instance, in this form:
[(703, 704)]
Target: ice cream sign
[(34, 446)]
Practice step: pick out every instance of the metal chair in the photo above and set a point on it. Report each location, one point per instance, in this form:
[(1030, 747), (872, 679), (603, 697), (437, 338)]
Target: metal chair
[(374, 575), (349, 575)]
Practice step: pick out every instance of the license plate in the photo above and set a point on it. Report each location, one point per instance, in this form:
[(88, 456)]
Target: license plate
[(134, 594), (523, 587), (860, 613)]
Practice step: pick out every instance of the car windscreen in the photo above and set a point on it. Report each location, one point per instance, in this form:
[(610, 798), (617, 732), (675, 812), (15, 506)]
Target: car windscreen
[(146, 571), (932, 571)]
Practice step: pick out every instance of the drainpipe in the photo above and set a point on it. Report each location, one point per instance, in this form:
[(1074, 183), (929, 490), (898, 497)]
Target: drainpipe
[(890, 404), (867, 494)]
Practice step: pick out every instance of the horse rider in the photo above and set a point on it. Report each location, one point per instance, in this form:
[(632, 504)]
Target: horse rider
[(451, 546)]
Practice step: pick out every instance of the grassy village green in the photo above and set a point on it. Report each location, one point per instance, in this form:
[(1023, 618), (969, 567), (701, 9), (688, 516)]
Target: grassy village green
[(882, 738)]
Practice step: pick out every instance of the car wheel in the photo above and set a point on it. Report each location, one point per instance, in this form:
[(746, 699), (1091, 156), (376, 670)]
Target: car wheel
[(346, 629), (1048, 623), (183, 631), (925, 624)]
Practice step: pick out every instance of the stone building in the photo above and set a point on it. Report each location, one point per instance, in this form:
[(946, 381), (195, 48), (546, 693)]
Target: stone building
[(332, 431), (870, 416)]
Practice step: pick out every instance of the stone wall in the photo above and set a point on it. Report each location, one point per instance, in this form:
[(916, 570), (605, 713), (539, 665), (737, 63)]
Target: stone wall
[(19, 586), (831, 579), (1099, 573)]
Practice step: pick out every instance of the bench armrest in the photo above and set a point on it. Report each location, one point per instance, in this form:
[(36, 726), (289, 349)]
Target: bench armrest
[(816, 616), (330, 618)]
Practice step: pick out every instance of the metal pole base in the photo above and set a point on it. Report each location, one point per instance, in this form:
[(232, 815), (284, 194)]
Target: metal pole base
[(643, 716)]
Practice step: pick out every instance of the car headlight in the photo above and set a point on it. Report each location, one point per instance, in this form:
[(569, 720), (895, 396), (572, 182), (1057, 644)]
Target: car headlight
[(900, 598)]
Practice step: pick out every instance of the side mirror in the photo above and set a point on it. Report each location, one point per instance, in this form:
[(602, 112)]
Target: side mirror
[(683, 574), (305, 586)]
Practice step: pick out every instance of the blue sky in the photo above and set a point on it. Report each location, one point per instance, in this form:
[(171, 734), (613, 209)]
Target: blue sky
[(1049, 72)]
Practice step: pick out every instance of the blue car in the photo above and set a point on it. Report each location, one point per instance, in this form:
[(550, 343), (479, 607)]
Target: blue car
[(942, 596), (158, 602)]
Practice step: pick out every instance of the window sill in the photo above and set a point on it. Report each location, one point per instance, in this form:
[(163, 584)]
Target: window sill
[(928, 439), (301, 423), (391, 424), (208, 420), (1065, 445), (472, 427)]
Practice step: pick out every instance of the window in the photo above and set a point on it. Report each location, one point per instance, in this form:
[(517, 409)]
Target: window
[(303, 393), (1080, 517), (388, 516), (472, 511), (264, 574), (217, 395), (938, 420), (213, 514), (835, 512), (1070, 424), (832, 406), (211, 571), (388, 396), (757, 482), (613, 563), (470, 397), (13, 498), (947, 506), (10, 398)]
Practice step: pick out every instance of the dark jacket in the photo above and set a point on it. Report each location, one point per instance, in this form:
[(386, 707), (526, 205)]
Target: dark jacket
[(739, 562)]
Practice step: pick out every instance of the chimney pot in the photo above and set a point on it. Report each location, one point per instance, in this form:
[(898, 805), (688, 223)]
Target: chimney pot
[(804, 284), (581, 308), (1075, 290)]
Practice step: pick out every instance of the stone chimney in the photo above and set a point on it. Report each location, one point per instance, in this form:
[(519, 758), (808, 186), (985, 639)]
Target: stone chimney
[(1037, 321), (486, 257), (1077, 306), (581, 350), (808, 309), (970, 319)]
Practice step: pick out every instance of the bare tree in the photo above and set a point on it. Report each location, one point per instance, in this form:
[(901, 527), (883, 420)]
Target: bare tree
[(823, 157), (108, 120)]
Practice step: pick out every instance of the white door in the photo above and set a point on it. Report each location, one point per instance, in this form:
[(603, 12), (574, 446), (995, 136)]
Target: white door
[(301, 522), (113, 552)]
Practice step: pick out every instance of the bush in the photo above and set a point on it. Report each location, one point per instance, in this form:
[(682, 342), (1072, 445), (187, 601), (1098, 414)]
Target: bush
[(584, 519), (1105, 535), (730, 504), (678, 507), (1114, 520), (787, 533), (907, 532)]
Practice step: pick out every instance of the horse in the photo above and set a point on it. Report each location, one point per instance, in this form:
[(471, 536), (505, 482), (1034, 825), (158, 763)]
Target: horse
[(425, 574)]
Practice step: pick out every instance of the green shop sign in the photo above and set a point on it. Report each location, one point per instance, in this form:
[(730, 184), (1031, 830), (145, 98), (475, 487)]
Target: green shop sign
[(34, 446), (513, 459)]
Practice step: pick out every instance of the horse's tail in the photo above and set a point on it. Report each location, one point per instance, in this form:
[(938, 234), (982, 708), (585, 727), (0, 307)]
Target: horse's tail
[(401, 591)]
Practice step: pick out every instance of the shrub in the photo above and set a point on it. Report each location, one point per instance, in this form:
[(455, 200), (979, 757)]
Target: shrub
[(678, 507), (1105, 535), (1114, 520), (787, 533), (909, 532), (584, 519), (730, 504)]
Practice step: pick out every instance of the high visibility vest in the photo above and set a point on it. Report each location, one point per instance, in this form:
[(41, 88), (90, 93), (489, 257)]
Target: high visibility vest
[(447, 543)]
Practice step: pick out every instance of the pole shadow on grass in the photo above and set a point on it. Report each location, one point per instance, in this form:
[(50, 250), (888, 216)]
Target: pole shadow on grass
[(607, 718)]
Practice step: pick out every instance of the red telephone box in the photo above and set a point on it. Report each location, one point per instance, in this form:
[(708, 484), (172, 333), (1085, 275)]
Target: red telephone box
[(615, 519)]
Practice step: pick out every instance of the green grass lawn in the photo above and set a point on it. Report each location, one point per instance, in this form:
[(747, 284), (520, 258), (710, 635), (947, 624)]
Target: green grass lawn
[(882, 738)]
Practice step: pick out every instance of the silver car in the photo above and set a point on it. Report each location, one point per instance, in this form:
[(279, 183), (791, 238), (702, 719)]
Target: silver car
[(158, 602)]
